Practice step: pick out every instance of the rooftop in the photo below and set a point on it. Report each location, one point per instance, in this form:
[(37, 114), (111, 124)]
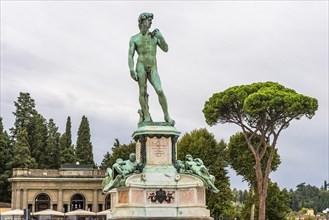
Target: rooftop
[(78, 171)]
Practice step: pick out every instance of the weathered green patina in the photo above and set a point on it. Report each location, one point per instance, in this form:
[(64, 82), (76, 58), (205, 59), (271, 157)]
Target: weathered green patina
[(145, 44), (117, 176), (195, 166)]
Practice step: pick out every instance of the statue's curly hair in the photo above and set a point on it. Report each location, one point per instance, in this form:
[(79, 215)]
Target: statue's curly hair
[(143, 17)]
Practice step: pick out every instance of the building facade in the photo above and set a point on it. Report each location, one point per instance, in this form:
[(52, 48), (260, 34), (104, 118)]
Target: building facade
[(66, 189)]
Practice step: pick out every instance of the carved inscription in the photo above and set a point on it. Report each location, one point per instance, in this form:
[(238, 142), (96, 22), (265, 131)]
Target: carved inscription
[(159, 146), (158, 150)]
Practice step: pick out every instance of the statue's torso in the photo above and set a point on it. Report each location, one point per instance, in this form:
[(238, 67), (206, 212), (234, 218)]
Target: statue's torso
[(146, 48)]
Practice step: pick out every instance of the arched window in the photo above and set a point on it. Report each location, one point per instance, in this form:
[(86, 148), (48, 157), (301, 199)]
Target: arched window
[(42, 202), (108, 201), (78, 201)]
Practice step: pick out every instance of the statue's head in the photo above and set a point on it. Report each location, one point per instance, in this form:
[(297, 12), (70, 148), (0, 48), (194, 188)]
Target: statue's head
[(188, 157), (143, 18), (132, 157), (119, 160)]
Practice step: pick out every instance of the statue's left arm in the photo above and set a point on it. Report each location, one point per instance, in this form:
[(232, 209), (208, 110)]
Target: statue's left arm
[(161, 41)]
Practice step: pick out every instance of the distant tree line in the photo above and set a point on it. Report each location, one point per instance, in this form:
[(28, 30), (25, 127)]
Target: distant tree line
[(311, 197), (35, 142)]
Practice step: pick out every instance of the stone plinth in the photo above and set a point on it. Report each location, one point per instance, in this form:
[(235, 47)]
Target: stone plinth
[(159, 192), (156, 145)]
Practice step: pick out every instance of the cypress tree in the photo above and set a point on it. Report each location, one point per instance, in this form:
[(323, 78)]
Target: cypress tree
[(25, 110), (38, 140), (22, 155), (5, 154), (52, 154), (84, 148), (67, 149), (68, 132), (5, 158)]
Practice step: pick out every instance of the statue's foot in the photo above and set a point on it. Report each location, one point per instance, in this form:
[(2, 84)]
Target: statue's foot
[(169, 120), (147, 119)]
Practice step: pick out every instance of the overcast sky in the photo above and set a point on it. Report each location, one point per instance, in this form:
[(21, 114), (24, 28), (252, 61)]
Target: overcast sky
[(71, 56)]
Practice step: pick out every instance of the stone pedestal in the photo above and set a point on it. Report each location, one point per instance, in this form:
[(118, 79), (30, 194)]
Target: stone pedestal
[(159, 192)]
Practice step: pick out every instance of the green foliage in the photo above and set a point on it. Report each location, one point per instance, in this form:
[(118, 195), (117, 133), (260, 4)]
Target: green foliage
[(21, 155), (34, 143), (5, 148), (68, 156), (239, 196), (309, 197), (252, 102), (321, 201), (38, 141), (277, 203), (239, 199), (242, 160), (52, 150), (25, 110), (261, 110), (84, 148), (66, 147), (68, 134), (6, 152), (202, 144), (118, 151)]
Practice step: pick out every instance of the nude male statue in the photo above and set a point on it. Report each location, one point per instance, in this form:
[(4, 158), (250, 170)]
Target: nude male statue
[(145, 43)]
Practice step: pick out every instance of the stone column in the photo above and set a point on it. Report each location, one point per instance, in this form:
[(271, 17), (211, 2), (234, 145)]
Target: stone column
[(18, 199), (95, 201), (60, 200), (24, 198), (13, 196)]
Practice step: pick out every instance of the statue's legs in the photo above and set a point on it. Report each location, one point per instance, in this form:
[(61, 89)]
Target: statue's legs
[(156, 83), (143, 99)]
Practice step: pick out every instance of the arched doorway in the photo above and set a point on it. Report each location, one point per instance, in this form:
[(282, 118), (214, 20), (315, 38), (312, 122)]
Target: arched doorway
[(78, 201), (42, 202), (108, 202)]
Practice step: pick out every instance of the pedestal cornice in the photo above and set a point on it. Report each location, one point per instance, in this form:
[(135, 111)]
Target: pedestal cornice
[(154, 130)]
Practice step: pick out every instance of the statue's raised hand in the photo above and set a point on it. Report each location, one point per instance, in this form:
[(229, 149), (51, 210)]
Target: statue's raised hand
[(157, 33)]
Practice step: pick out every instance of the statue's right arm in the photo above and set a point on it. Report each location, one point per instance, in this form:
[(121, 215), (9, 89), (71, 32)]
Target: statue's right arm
[(131, 53)]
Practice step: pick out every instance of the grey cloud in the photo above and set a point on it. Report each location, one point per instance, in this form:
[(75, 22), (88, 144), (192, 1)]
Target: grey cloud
[(72, 58)]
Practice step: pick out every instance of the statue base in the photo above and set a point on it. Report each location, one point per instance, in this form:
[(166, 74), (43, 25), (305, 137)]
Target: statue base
[(159, 192)]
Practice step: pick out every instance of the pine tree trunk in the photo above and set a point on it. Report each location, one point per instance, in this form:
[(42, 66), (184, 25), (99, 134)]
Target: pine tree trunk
[(262, 207)]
